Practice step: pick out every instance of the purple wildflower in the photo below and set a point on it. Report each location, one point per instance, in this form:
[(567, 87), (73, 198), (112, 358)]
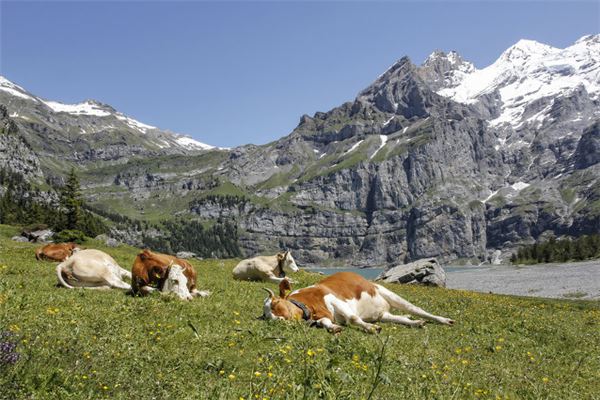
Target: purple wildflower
[(8, 349)]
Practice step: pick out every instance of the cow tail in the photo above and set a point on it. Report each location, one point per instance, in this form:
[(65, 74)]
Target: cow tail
[(59, 274), (38, 254)]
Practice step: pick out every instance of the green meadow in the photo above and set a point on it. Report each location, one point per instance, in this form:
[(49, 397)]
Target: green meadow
[(83, 344)]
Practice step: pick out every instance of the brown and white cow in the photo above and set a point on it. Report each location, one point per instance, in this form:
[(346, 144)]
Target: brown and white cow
[(343, 298), (92, 269), (151, 270), (56, 251)]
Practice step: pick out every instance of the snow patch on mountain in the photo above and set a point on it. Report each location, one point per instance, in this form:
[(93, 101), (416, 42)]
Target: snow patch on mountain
[(354, 147), (15, 90), (135, 124), (383, 139), (192, 144), (85, 108), (529, 71)]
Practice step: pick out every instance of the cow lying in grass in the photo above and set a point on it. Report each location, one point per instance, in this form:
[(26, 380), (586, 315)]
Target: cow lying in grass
[(92, 269), (151, 270), (265, 268), (56, 251), (343, 298)]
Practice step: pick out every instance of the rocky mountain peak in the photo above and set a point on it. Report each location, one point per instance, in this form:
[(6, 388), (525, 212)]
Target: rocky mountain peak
[(441, 70), (399, 90)]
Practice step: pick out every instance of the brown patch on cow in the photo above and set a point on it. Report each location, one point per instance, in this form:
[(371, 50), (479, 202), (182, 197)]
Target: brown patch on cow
[(55, 251), (348, 285), (343, 285), (151, 269)]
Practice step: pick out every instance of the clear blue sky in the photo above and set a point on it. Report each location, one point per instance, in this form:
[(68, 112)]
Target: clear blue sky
[(233, 73)]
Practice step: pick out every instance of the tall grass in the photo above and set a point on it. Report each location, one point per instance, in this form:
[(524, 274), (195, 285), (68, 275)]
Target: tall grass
[(76, 344)]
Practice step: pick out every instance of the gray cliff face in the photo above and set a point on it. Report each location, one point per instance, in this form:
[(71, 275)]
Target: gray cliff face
[(16, 155), (407, 170)]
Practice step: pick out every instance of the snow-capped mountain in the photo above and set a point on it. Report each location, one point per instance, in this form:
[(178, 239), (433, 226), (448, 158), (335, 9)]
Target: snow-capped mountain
[(525, 74), (89, 117), (442, 159)]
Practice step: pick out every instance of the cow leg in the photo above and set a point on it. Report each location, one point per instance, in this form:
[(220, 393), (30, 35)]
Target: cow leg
[(399, 303), (103, 287), (200, 293), (147, 289), (399, 319), (125, 273), (118, 283), (341, 308), (330, 326), (275, 279)]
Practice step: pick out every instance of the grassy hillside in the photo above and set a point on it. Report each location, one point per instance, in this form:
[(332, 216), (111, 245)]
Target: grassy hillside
[(90, 344)]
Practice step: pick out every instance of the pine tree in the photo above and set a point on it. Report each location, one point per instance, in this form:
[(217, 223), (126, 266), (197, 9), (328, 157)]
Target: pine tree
[(71, 201)]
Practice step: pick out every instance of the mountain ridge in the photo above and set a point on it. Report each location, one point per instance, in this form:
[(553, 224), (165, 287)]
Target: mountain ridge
[(400, 172)]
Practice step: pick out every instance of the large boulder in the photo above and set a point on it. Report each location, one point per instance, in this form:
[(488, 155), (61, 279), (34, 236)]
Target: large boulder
[(425, 272), (20, 239), (41, 236)]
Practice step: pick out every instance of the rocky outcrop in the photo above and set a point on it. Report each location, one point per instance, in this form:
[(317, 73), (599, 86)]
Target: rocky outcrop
[(16, 156), (588, 148), (426, 272)]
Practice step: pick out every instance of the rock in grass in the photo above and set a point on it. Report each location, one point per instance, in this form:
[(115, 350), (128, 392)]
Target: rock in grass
[(39, 236), (185, 254), (425, 272), (20, 239), (109, 241)]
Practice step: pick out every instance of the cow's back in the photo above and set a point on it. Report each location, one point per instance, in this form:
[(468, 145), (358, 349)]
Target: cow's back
[(255, 268), (348, 285), (91, 265)]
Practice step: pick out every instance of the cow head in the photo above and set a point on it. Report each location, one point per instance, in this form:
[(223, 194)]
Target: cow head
[(176, 282), (156, 265), (287, 262), (280, 308)]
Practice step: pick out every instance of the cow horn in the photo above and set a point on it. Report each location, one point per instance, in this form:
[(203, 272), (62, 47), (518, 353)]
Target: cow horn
[(271, 294)]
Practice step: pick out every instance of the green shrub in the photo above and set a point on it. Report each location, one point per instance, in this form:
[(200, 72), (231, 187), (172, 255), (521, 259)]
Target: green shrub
[(69, 235)]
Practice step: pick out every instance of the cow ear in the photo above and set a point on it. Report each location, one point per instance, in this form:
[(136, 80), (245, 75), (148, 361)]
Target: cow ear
[(145, 254), (280, 256), (284, 285)]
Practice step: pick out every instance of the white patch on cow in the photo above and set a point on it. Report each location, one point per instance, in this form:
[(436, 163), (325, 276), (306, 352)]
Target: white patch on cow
[(368, 308), (289, 264), (267, 309), (176, 283)]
